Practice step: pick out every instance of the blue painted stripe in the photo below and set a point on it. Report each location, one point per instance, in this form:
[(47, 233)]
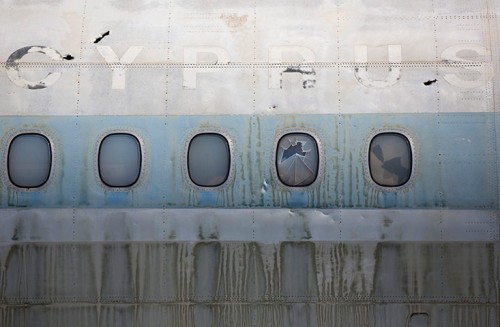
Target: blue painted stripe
[(455, 153)]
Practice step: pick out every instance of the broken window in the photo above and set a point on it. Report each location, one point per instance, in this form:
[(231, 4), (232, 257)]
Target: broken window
[(297, 159), (390, 159), (120, 160), (209, 159), (29, 160)]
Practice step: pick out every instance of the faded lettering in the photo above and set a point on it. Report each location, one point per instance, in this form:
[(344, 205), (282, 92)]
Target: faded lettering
[(451, 55), (119, 69), (480, 69), (276, 74), (191, 57), (12, 67), (361, 69)]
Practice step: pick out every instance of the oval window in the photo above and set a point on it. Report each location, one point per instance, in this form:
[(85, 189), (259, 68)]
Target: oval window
[(119, 160), (297, 159), (29, 160), (209, 159), (390, 159)]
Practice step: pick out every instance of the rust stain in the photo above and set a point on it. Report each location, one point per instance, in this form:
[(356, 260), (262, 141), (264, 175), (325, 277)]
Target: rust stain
[(233, 20)]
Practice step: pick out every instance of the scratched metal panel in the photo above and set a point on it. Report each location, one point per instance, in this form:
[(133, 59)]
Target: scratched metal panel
[(409, 93), (59, 99), (224, 24), (96, 96), (292, 98), (279, 24), (367, 24)]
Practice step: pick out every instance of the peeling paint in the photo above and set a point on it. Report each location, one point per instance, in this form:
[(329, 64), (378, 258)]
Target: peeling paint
[(234, 20), (308, 75), (12, 67), (361, 71)]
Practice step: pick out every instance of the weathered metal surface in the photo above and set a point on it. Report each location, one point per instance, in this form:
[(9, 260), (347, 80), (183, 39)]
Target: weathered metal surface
[(343, 251), (264, 281)]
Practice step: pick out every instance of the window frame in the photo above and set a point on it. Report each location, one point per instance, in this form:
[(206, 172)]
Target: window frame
[(321, 158), (140, 141), (187, 174), (413, 166), (46, 183)]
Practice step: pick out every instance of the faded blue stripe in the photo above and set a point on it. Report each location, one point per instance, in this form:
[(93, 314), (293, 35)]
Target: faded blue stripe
[(456, 162)]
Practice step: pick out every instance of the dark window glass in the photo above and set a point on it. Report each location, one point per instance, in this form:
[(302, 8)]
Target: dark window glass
[(390, 159), (209, 159), (29, 160), (297, 159), (419, 320), (120, 160)]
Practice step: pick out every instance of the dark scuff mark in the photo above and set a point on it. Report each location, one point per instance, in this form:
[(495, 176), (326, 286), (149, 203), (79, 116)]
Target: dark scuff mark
[(68, 57), (36, 87), (208, 232), (308, 74), (430, 82), (15, 237), (97, 40), (293, 150)]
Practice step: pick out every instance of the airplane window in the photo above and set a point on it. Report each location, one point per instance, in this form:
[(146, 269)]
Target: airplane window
[(29, 160), (119, 160), (390, 159), (297, 159), (208, 159), (419, 320)]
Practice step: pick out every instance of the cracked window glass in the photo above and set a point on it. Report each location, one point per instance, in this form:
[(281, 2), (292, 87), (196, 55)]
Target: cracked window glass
[(120, 160), (390, 159), (29, 160), (208, 159), (297, 159)]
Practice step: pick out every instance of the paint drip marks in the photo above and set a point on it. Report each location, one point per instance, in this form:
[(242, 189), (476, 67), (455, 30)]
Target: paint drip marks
[(238, 265), (308, 75), (243, 272), (345, 270)]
